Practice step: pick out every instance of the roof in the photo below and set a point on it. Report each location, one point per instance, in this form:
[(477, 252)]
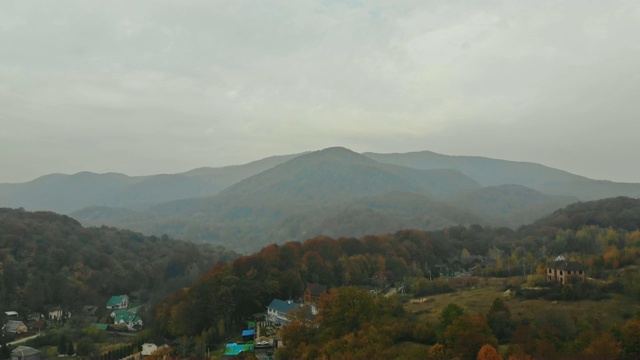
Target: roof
[(125, 315), (283, 306), (316, 289), (567, 266), (13, 325), (116, 300), (11, 313), (235, 349), (249, 332), (23, 351), (158, 341)]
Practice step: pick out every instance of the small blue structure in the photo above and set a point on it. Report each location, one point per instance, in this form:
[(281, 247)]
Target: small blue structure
[(248, 335)]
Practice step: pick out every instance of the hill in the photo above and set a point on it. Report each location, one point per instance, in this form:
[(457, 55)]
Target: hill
[(492, 172), (69, 193), (292, 198), (509, 205), (616, 213), (296, 196), (51, 259), (354, 269)]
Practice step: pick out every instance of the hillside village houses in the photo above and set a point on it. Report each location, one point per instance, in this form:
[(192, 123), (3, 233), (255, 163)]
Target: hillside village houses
[(128, 318), (118, 302), (14, 327), (312, 293), (25, 353), (562, 270), (278, 309), (55, 313)]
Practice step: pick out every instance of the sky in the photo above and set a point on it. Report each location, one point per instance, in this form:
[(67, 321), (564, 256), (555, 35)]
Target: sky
[(151, 86)]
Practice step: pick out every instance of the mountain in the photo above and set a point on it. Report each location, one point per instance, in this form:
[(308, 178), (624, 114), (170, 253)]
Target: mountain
[(510, 205), (332, 191), (377, 214), (492, 172), (293, 198), (68, 193)]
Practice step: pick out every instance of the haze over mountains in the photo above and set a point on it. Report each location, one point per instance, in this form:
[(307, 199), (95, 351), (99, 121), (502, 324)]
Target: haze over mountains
[(333, 192)]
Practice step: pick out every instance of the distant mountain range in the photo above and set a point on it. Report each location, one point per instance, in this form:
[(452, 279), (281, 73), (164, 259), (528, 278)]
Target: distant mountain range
[(334, 192)]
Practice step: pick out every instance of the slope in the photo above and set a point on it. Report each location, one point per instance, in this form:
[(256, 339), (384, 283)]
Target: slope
[(510, 205), (68, 193), (491, 172), (315, 184)]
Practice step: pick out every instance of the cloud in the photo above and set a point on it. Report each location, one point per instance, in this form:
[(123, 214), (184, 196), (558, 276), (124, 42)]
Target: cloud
[(161, 86)]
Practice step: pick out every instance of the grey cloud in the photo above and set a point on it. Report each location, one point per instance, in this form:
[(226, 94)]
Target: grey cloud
[(161, 86)]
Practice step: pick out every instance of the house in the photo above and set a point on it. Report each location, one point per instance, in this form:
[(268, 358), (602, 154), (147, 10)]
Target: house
[(154, 345), (312, 293), (25, 353), (36, 316), (14, 327), (55, 313), (561, 271), (118, 302), (124, 317), (278, 309)]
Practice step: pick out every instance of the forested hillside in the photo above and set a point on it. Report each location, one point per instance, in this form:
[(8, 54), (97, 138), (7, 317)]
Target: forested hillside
[(232, 292), (48, 259), (334, 192)]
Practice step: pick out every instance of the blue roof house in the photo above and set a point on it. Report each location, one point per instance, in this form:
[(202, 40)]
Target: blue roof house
[(278, 309)]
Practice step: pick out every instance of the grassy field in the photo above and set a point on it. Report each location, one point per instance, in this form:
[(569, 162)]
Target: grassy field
[(615, 310)]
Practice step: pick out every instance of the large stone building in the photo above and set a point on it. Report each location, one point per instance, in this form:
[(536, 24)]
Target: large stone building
[(561, 271)]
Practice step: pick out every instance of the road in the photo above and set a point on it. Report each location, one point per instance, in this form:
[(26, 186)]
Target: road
[(20, 341)]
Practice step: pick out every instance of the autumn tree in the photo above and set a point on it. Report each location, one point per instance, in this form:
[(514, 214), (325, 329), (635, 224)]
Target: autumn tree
[(603, 347), (630, 339), (345, 310), (468, 334), (488, 352)]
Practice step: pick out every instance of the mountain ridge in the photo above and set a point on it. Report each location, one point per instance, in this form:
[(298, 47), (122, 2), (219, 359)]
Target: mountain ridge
[(325, 192)]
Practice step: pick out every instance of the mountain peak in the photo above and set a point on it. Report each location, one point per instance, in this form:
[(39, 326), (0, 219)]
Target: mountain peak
[(334, 154)]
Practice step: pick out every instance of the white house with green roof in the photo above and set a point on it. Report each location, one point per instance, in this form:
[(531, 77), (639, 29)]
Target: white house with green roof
[(118, 302), (125, 317)]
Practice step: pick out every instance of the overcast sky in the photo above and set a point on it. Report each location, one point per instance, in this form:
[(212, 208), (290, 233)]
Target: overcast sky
[(143, 87)]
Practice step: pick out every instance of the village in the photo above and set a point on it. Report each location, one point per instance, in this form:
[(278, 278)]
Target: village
[(122, 315)]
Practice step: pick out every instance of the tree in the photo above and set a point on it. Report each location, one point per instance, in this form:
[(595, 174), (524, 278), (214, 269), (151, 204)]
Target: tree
[(345, 310), (499, 319), (630, 336), (86, 346), (488, 352), (65, 345), (603, 347), (438, 352), (467, 335), (450, 313)]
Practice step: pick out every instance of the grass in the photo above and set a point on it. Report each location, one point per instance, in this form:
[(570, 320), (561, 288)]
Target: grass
[(615, 310)]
